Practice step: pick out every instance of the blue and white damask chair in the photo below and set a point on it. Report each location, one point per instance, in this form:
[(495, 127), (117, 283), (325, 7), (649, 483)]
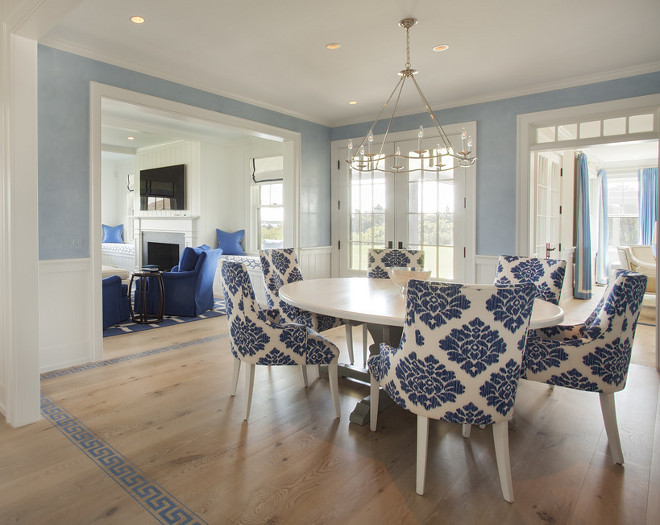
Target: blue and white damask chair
[(280, 267), (380, 259), (258, 338), (593, 356), (546, 274), (459, 360)]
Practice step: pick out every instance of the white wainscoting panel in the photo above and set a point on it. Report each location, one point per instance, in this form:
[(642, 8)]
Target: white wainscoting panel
[(65, 318), (315, 263), (486, 268)]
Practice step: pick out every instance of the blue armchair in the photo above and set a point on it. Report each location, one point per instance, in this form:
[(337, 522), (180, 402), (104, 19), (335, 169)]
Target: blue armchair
[(115, 301), (189, 285)]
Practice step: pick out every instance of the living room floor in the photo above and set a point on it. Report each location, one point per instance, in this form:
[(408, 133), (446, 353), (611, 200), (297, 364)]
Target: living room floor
[(151, 435)]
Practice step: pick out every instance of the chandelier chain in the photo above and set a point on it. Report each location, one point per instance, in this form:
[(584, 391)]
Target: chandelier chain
[(407, 48)]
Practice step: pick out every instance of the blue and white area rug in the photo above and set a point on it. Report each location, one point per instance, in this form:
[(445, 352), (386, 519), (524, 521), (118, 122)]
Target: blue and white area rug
[(128, 327)]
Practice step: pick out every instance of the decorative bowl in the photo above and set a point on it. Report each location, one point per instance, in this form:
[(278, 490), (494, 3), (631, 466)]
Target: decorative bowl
[(401, 275)]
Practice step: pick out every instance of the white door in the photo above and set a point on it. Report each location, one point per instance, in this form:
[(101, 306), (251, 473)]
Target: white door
[(547, 201), (424, 209)]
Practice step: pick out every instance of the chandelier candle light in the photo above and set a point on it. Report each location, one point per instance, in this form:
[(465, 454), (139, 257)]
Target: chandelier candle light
[(441, 158)]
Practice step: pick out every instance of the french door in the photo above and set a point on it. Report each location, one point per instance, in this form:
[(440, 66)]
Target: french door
[(547, 235), (424, 209)]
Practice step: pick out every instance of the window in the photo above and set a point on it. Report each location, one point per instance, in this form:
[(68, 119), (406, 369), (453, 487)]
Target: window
[(623, 210), (428, 209), (270, 215)]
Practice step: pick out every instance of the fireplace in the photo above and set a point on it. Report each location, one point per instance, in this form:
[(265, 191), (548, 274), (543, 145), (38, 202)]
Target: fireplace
[(163, 255), (162, 249)]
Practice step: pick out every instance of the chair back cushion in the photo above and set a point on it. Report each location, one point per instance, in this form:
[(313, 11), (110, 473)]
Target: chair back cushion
[(189, 259), (546, 274), (380, 259), (461, 351)]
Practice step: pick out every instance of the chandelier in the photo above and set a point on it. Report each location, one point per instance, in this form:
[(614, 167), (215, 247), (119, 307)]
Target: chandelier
[(442, 157)]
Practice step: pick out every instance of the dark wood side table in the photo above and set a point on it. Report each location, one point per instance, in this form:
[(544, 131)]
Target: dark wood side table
[(143, 278)]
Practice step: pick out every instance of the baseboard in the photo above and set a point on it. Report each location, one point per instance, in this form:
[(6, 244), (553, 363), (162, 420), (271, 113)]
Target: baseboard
[(59, 365)]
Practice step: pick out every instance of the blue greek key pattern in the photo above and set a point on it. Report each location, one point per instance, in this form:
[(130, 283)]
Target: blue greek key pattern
[(115, 360), (155, 499)]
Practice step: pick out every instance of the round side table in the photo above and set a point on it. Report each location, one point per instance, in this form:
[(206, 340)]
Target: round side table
[(144, 278)]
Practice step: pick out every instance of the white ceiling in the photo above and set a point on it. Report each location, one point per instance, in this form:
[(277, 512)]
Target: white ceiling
[(273, 54), (149, 127)]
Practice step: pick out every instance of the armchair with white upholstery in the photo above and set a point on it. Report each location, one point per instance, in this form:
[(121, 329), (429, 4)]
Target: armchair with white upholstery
[(593, 356), (459, 360), (640, 258), (257, 336), (546, 274)]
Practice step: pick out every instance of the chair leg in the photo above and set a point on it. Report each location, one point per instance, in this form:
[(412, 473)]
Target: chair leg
[(608, 409), (234, 379), (374, 397), (365, 345), (422, 448), (501, 438), (333, 376), (249, 384), (303, 369), (349, 342), (466, 428)]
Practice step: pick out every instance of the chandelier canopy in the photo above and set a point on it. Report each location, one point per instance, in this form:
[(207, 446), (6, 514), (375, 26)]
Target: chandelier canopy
[(442, 157)]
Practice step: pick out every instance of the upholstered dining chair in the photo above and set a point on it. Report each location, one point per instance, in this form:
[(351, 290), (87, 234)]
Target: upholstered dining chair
[(593, 356), (257, 337), (280, 266), (380, 259), (459, 360), (546, 274)]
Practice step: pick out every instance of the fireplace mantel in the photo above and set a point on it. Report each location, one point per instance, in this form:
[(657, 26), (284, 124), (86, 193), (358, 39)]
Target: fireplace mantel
[(185, 224)]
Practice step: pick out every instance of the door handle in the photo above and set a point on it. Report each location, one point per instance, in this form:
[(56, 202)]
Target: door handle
[(548, 250)]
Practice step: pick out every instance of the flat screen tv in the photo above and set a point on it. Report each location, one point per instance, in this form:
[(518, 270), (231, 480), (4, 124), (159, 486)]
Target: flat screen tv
[(163, 188)]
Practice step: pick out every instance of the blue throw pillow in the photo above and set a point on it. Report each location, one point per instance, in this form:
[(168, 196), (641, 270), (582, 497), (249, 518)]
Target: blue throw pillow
[(230, 243), (189, 259), (113, 234)]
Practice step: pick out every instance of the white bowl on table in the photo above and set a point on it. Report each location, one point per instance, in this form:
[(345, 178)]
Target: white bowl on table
[(401, 275)]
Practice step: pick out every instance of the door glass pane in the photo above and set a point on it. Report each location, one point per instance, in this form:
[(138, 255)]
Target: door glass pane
[(431, 216), (367, 224)]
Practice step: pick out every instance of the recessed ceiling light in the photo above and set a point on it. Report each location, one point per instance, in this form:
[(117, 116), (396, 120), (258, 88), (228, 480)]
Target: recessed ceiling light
[(353, 102), (131, 138), (333, 46), (441, 47), (137, 20)]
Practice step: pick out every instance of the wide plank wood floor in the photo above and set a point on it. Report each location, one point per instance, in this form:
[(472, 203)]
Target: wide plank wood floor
[(157, 418)]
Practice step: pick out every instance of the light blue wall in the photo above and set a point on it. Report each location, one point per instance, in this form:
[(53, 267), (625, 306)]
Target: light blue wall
[(496, 143), (64, 148)]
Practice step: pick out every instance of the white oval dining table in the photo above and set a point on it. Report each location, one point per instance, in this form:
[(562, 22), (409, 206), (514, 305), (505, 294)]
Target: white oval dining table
[(380, 304), (376, 301)]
